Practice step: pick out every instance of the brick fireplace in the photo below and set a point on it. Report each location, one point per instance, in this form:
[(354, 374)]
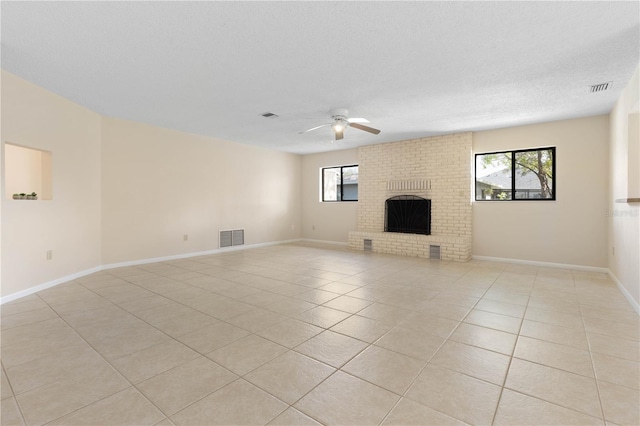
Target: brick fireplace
[(437, 169)]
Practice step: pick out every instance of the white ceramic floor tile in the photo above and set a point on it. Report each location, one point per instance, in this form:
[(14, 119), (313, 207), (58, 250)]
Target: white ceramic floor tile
[(332, 402), (417, 342), (457, 395)]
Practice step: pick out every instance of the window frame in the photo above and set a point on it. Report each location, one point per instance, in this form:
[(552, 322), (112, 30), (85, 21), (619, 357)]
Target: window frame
[(513, 152), (322, 169)]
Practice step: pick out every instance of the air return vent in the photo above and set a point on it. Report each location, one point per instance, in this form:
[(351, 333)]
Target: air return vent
[(232, 237), (434, 252), (368, 245), (600, 87)]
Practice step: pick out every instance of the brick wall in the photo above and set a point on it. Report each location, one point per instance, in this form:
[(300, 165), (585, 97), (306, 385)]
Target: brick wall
[(443, 160)]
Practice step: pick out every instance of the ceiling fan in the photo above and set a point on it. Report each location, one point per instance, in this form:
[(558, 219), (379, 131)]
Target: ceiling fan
[(341, 122)]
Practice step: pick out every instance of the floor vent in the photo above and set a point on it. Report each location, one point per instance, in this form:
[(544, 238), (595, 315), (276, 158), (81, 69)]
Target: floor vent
[(434, 252), (368, 245), (234, 237)]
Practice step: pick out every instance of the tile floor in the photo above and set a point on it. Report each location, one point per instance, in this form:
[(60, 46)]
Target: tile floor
[(308, 334)]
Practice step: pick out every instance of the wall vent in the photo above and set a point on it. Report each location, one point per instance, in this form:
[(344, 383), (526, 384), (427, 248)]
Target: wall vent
[(409, 185), (368, 245), (232, 237), (600, 87), (434, 252)]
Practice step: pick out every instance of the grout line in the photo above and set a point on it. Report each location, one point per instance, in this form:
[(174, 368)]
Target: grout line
[(504, 382), (175, 339), (13, 395), (89, 344), (403, 395), (593, 366), (431, 358), (115, 369), (168, 416), (252, 271), (201, 354), (97, 353)]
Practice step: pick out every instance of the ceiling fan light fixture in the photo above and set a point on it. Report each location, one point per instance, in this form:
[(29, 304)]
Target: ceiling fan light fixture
[(341, 122)]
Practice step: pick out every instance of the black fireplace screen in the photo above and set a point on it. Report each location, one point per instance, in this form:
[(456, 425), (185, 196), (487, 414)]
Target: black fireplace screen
[(408, 214)]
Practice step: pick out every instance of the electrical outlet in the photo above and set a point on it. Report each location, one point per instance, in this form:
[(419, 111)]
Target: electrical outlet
[(293, 227), (49, 254), (185, 237)]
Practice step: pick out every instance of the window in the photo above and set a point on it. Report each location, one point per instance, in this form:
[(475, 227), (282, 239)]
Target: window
[(516, 175), (340, 183)]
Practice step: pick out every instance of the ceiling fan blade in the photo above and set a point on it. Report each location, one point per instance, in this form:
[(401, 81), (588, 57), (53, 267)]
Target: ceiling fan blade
[(357, 120), (365, 128), (339, 134), (314, 128)]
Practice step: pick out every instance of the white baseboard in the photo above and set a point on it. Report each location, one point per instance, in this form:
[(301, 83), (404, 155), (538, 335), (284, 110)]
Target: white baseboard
[(543, 264), (634, 304), (333, 243), (195, 254), (49, 284)]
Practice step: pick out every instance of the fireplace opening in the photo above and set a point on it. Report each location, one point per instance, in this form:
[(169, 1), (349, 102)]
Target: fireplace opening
[(408, 214)]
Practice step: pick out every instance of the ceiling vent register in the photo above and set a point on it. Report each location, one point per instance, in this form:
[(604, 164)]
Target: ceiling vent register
[(600, 87)]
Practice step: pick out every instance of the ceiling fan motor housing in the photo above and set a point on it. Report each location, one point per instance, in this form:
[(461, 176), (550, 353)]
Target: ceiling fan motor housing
[(339, 112), (341, 122)]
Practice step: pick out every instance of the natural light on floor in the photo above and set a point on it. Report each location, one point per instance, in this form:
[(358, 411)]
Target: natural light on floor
[(309, 334)]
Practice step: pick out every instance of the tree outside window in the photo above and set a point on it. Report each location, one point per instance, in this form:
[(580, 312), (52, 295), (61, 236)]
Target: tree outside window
[(516, 175)]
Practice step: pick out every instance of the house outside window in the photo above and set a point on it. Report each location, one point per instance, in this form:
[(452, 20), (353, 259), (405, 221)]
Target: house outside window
[(340, 183), (516, 175)]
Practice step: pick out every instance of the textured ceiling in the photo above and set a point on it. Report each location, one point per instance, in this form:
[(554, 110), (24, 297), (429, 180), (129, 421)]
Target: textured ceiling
[(413, 69)]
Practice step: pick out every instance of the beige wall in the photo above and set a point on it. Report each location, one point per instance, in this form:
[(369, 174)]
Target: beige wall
[(571, 230), (624, 219), (70, 223), (126, 191), (160, 184), (326, 221)]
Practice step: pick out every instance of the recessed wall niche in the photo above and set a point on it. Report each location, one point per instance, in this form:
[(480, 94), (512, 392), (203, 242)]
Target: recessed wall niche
[(27, 170)]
